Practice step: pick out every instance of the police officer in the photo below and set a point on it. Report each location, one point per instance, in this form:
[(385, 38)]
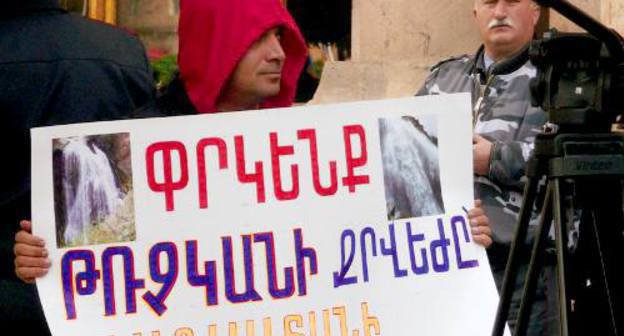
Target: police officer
[(505, 126)]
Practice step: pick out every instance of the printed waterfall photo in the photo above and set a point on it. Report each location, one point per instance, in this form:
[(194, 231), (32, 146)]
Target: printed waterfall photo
[(409, 149), (93, 193)]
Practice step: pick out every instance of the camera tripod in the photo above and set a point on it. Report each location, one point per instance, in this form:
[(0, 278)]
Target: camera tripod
[(585, 172), (580, 84)]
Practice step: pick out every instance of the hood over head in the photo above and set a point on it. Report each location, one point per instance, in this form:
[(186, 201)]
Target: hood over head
[(215, 34)]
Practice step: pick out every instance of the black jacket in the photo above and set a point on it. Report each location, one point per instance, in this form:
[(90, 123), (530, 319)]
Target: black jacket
[(55, 68), (174, 101)]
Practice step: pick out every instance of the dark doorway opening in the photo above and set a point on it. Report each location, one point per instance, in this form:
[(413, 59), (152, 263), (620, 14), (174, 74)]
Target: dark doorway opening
[(326, 26), (324, 21)]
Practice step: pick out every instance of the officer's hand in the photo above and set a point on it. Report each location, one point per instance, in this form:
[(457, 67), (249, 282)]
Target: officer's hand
[(31, 257), (481, 149), (480, 225)]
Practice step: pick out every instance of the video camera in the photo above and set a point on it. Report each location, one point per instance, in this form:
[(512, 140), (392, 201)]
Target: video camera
[(580, 80)]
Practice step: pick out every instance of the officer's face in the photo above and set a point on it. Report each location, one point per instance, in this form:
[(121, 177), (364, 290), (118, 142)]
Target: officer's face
[(505, 25)]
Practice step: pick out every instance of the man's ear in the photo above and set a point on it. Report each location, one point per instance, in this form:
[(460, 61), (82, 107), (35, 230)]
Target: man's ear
[(537, 12)]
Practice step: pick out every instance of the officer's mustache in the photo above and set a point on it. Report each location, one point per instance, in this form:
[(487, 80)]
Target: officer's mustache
[(500, 23)]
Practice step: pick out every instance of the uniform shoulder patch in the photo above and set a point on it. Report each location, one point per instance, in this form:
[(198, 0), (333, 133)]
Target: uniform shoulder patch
[(461, 58)]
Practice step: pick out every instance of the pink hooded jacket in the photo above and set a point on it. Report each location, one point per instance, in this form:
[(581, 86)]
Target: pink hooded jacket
[(215, 34)]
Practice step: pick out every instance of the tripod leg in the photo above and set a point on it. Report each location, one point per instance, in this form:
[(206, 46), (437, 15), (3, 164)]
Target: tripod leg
[(562, 250), (535, 265), (517, 246), (603, 237)]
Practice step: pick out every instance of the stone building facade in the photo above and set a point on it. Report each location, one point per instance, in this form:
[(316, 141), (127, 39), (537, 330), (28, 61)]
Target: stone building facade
[(393, 42), (155, 21)]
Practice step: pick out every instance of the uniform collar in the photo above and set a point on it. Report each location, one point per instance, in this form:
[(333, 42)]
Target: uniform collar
[(502, 67)]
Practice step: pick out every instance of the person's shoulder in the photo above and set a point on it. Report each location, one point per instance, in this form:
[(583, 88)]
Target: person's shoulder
[(106, 41), (69, 37), (102, 31), (91, 26), (448, 75), (454, 62)]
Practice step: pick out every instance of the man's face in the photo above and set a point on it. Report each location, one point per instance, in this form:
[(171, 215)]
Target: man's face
[(506, 25), (258, 74)]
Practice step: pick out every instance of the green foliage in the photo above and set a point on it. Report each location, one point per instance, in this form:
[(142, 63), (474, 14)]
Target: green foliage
[(165, 69), (316, 68)]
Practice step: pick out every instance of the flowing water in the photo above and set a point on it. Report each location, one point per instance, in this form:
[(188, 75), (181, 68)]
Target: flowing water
[(411, 170), (91, 191)]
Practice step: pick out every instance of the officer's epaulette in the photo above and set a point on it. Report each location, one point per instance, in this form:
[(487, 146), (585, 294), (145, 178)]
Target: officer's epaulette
[(451, 59)]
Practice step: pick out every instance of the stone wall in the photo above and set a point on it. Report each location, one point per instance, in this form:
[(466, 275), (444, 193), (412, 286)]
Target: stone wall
[(609, 12), (388, 30), (613, 14), (395, 42), (155, 21)]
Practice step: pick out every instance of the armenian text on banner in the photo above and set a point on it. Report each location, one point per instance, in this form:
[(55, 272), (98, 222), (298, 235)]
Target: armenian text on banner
[(319, 220)]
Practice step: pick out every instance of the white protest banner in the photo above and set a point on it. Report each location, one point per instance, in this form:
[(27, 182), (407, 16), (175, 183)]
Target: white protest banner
[(342, 219)]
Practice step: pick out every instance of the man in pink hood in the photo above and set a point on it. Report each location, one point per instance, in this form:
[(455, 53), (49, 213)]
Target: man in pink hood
[(233, 55)]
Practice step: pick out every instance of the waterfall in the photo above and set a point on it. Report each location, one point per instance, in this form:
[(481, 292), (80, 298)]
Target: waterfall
[(411, 170), (90, 188)]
